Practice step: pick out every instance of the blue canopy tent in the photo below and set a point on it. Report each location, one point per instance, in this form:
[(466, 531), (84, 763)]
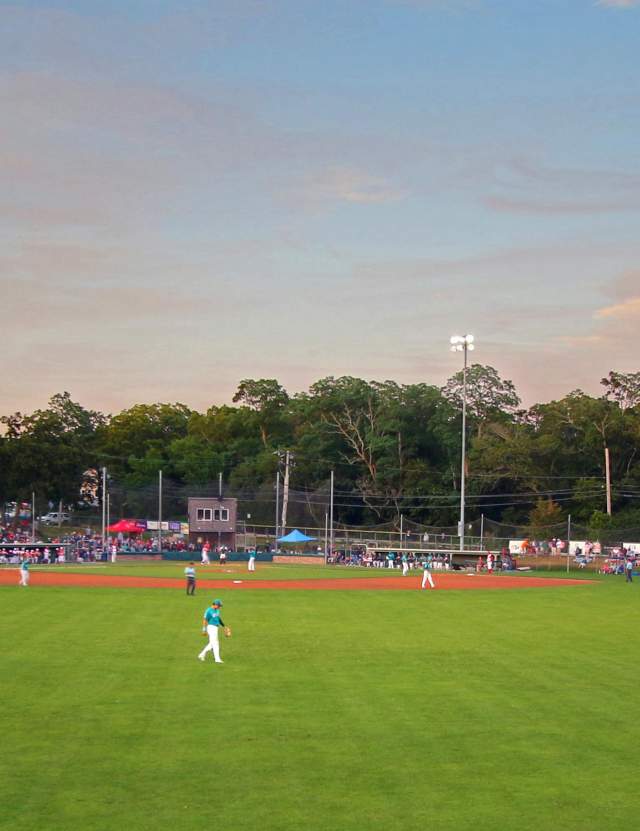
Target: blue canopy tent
[(296, 536)]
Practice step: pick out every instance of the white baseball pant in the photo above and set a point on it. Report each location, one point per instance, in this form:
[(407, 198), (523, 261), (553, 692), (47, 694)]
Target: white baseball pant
[(213, 645), (427, 578)]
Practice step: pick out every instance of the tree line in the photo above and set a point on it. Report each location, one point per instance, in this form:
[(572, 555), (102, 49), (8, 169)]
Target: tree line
[(394, 449)]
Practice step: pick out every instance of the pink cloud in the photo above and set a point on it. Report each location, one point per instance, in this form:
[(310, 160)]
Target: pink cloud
[(629, 309)]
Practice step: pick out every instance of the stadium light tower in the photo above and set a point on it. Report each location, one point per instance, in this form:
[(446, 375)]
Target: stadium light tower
[(463, 343)]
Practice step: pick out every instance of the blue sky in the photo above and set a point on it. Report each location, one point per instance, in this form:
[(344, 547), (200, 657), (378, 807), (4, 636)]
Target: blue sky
[(196, 193)]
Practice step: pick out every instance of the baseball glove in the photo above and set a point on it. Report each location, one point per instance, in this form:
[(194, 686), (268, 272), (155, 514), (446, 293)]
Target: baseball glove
[(227, 632)]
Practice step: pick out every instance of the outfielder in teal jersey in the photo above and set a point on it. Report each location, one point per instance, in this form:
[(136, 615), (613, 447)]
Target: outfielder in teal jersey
[(211, 624), (24, 572)]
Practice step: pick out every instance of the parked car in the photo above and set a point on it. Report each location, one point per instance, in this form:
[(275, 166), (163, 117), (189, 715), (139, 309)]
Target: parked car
[(56, 518)]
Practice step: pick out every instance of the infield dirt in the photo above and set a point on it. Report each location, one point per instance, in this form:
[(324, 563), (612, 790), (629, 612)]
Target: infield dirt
[(445, 581)]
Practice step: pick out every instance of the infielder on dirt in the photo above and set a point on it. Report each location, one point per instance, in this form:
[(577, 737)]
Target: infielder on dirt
[(426, 575), (211, 623)]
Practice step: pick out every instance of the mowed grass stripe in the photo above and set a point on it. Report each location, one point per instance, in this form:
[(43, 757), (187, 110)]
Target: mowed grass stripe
[(344, 710)]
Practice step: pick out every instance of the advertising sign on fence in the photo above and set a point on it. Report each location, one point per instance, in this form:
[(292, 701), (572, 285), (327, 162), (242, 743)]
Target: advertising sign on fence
[(173, 526)]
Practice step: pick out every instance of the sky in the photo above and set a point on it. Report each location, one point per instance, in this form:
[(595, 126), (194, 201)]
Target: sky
[(194, 193)]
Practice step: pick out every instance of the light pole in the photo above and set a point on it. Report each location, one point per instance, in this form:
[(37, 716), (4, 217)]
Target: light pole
[(463, 343)]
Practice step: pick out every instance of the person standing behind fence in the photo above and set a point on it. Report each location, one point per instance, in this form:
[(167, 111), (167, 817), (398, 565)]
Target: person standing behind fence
[(190, 574)]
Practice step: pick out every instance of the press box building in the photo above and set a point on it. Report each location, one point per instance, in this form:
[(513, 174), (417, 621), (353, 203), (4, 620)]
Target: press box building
[(213, 519)]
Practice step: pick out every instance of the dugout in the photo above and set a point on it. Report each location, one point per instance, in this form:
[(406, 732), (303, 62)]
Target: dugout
[(9, 548)]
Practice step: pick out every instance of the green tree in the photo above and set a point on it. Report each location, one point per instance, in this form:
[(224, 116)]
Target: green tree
[(546, 519), (267, 398), (489, 397), (50, 450), (623, 388)]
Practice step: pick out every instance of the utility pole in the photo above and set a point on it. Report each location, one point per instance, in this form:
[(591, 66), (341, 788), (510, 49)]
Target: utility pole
[(326, 536), (331, 519), (277, 530), (481, 532), (159, 512), (401, 529), (33, 515), (465, 344), (104, 506), (607, 468), (285, 490)]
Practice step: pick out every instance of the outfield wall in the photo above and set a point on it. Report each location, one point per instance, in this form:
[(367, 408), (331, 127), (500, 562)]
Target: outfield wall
[(232, 557), (309, 560)]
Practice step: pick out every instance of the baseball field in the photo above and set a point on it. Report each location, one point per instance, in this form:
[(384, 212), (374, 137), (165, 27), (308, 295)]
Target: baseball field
[(342, 708)]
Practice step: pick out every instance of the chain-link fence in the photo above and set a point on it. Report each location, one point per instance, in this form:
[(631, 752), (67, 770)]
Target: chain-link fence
[(268, 509)]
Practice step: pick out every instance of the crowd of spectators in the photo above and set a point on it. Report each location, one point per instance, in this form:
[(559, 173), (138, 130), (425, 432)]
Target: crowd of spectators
[(619, 560), (369, 558), (80, 546)]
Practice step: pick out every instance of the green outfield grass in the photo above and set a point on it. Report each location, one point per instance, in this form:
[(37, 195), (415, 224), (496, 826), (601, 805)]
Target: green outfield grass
[(333, 710)]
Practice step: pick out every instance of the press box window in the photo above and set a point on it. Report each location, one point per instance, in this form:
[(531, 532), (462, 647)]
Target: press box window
[(221, 514), (203, 514)]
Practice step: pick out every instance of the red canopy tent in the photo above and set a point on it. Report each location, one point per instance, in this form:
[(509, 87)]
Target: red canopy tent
[(126, 526)]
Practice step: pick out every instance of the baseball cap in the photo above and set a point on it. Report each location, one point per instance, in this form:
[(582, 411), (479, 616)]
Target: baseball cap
[(217, 603)]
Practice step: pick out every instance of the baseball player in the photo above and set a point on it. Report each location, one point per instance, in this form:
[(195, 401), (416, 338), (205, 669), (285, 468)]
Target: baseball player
[(205, 553), (24, 572), (211, 623), (405, 565), (190, 574), (426, 575), (251, 566)]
